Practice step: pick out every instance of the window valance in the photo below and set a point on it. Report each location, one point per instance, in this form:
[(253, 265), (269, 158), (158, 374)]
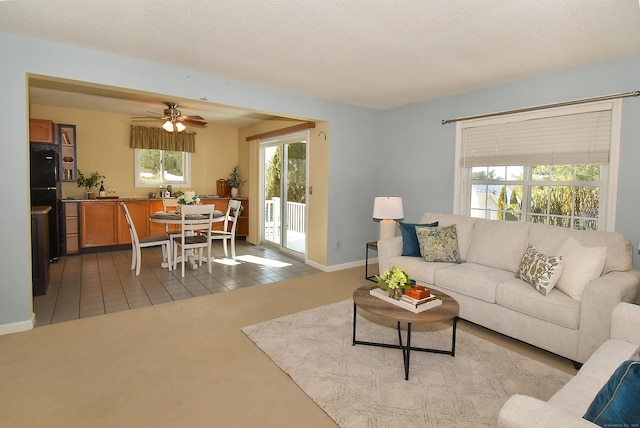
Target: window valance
[(143, 137)]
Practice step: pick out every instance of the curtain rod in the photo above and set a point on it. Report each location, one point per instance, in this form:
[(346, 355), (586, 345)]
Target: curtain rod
[(561, 104)]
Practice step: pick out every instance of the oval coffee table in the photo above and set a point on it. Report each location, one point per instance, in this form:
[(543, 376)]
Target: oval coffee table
[(448, 310)]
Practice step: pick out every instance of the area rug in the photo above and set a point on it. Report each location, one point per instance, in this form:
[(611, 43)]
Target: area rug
[(364, 386)]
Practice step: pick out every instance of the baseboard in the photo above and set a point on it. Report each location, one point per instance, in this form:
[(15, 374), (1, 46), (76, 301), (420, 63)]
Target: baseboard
[(342, 266), (17, 327)]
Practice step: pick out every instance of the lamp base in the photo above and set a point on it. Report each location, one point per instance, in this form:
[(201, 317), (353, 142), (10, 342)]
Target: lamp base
[(387, 229)]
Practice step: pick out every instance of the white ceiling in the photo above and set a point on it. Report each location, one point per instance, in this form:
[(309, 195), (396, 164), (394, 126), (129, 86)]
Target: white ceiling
[(373, 53)]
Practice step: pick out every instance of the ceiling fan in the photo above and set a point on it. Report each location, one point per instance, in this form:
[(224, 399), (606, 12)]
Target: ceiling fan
[(173, 119)]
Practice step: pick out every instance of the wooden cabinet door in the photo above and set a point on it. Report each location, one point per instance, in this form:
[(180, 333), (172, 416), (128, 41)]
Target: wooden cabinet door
[(139, 211), (98, 224), (242, 229), (41, 131)]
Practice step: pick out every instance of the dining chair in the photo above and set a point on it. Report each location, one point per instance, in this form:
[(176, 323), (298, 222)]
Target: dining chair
[(147, 241), (195, 235), (170, 204), (226, 234)]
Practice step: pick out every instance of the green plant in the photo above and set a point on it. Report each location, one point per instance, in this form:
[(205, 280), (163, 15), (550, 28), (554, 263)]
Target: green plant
[(394, 278), (89, 181), (234, 178)]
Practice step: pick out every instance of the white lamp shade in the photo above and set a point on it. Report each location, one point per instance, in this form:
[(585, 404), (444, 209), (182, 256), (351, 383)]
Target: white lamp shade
[(388, 208), (168, 126)]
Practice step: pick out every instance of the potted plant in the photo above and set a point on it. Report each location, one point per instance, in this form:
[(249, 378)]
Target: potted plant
[(234, 181), (89, 181)]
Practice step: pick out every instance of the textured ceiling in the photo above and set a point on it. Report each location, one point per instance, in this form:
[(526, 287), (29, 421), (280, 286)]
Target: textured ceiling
[(373, 53)]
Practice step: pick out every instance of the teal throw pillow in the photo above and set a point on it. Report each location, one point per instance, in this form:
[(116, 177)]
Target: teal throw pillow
[(439, 244), (616, 405), (410, 245)]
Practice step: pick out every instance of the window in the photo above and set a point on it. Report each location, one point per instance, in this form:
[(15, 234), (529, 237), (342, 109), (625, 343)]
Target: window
[(155, 168), (555, 166)]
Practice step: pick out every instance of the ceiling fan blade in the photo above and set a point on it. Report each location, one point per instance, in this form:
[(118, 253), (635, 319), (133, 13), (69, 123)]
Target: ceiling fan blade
[(146, 119), (199, 118), (191, 122)]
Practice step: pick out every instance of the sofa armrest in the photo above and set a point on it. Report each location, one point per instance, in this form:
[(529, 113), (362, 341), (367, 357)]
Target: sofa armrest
[(625, 323), (388, 248), (598, 302), (528, 412)]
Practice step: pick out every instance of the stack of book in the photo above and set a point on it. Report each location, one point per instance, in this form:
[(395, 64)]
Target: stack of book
[(423, 303)]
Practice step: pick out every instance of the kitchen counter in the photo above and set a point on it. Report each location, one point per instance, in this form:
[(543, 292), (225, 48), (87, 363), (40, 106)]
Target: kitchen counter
[(122, 199)]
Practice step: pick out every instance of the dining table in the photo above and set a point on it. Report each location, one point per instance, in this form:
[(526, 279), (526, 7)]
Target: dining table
[(175, 217)]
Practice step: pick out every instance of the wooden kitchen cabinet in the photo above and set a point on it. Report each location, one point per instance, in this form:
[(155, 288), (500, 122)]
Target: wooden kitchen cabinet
[(98, 224), (71, 230), (41, 131), (139, 211)]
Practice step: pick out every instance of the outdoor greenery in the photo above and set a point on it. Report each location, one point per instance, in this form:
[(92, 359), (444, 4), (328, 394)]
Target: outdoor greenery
[(296, 173), (155, 163), (573, 205)]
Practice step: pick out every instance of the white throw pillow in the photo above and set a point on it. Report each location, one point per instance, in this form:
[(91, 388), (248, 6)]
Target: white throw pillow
[(581, 265)]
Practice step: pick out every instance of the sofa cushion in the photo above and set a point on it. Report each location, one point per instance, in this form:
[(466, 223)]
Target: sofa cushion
[(539, 270), (616, 404), (499, 244), (417, 268), (581, 265), (607, 358), (555, 307), (472, 280), (549, 239), (410, 245), (464, 226), (439, 244)]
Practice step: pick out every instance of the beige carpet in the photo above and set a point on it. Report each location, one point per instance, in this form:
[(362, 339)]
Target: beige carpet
[(180, 364), (364, 386)]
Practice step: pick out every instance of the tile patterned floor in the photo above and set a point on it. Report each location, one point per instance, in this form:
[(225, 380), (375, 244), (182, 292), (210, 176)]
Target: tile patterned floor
[(100, 283)]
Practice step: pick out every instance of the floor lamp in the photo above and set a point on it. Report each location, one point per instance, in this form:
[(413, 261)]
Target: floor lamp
[(387, 209)]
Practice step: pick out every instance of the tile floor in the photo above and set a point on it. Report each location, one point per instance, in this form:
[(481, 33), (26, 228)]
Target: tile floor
[(100, 283)]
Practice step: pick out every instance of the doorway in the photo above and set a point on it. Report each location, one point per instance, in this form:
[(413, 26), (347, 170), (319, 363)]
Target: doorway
[(284, 192)]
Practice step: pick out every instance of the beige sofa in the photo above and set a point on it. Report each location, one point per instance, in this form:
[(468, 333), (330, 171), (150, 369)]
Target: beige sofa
[(489, 294), (567, 406)]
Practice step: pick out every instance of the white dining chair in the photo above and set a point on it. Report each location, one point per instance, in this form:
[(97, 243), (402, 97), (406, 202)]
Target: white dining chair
[(147, 241), (229, 233), (195, 234), (170, 204)]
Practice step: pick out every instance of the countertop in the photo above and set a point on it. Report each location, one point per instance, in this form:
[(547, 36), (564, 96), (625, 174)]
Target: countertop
[(38, 209), (120, 199)]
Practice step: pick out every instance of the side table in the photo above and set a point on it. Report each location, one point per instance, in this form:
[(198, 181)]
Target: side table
[(374, 246)]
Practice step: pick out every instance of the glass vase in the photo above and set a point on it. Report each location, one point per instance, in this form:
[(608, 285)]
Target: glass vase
[(395, 293)]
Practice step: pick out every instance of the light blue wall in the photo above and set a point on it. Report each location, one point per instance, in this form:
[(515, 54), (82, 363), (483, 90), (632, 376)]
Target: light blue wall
[(404, 152), (423, 150), (354, 139)]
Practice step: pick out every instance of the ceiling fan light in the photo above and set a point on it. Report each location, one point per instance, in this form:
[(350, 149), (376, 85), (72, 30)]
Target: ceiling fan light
[(180, 127), (168, 126)]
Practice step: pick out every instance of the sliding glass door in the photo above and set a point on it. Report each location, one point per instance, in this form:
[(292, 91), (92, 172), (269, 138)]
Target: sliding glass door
[(284, 191)]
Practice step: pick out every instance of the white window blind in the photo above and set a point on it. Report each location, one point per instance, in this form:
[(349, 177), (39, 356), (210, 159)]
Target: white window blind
[(570, 138)]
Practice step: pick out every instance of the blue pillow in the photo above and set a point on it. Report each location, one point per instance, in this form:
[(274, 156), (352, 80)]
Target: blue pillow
[(617, 402), (410, 245)]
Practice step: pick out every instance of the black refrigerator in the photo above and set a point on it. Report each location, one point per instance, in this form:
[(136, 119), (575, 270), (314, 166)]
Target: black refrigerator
[(45, 191)]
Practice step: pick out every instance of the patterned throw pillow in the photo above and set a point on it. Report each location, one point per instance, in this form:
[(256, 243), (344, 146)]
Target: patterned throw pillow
[(541, 271), (439, 244)]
